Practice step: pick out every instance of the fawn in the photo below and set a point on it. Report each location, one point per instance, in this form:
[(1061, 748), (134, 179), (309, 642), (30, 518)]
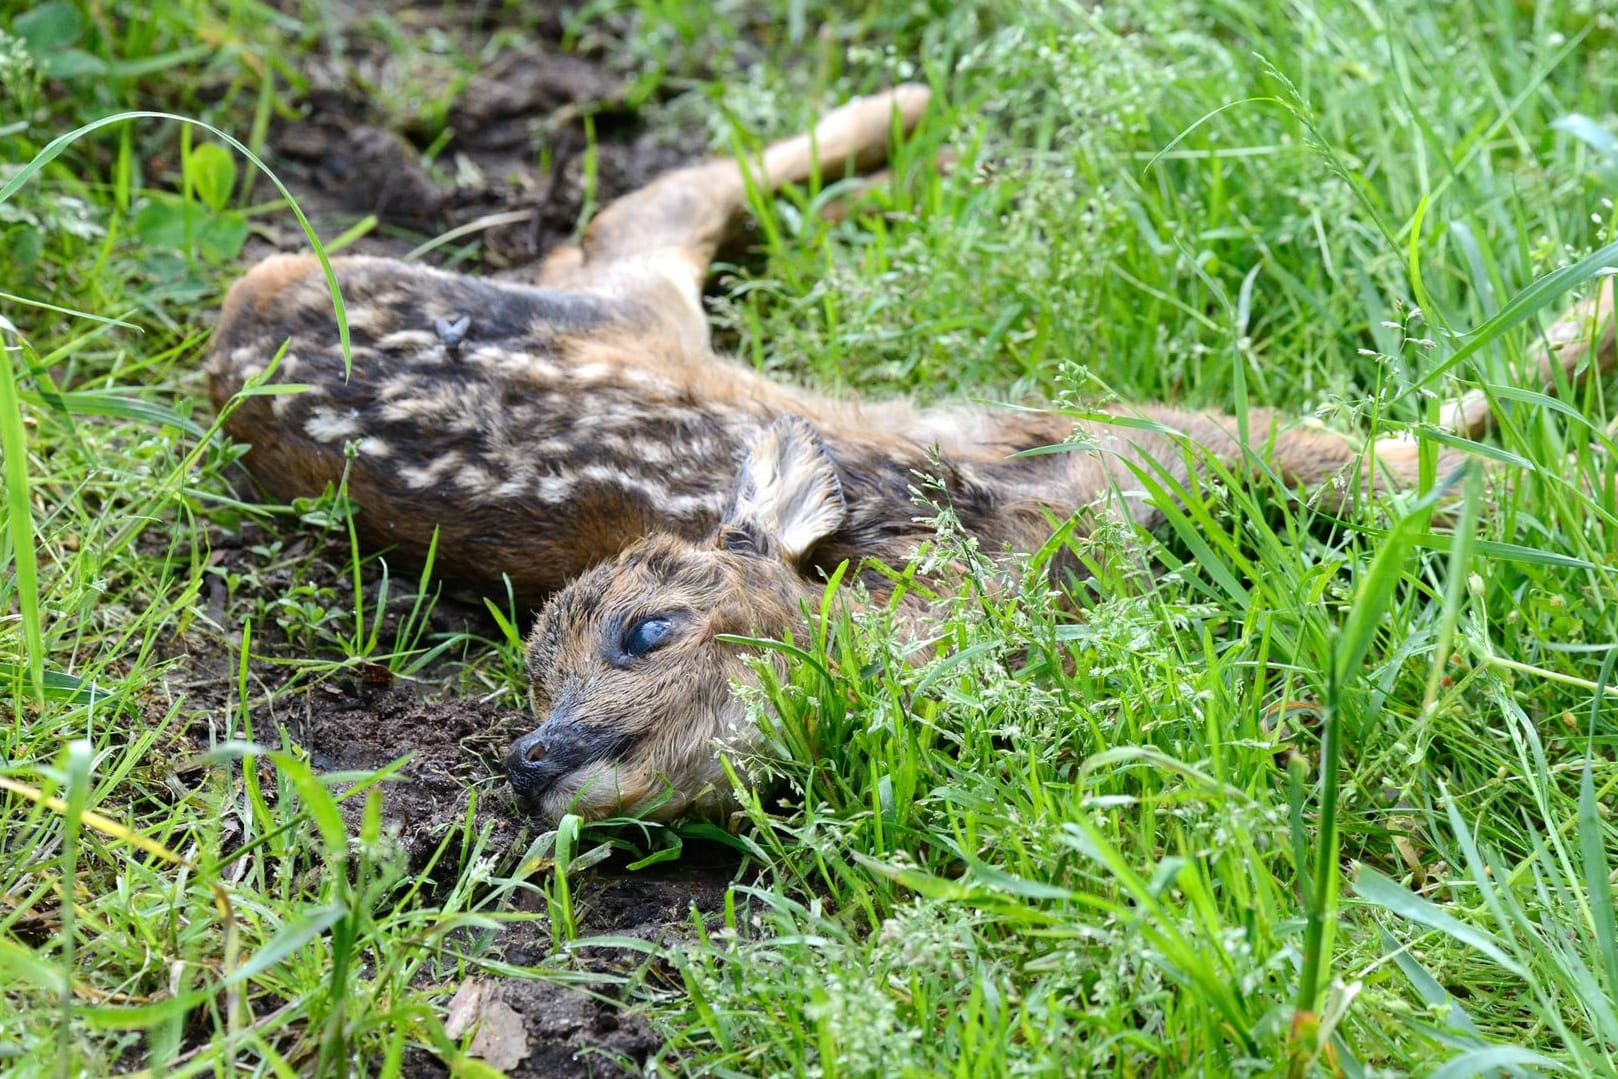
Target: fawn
[(581, 440)]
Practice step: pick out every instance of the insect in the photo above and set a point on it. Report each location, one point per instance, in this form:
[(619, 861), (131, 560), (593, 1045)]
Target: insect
[(653, 499), (452, 331)]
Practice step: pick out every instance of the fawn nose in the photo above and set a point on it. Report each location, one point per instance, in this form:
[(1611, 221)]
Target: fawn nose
[(531, 750), (539, 758)]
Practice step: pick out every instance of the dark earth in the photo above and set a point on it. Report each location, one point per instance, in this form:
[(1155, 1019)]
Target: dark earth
[(515, 177)]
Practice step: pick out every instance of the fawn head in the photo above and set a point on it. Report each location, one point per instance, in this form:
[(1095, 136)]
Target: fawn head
[(625, 668)]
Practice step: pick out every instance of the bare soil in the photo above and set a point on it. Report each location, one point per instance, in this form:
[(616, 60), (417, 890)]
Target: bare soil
[(516, 176), (518, 173)]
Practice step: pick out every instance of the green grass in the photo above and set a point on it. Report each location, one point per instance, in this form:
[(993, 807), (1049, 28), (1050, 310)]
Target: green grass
[(1324, 797)]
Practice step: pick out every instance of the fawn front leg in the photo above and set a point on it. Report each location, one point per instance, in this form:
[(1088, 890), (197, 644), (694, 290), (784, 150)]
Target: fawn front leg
[(654, 245)]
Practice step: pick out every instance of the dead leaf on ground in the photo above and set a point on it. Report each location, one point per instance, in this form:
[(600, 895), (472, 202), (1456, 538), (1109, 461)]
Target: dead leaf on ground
[(499, 1038)]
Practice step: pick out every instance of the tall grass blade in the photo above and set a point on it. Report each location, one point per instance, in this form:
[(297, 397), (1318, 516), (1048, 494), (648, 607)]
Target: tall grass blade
[(1593, 842), (1381, 891), (19, 530)]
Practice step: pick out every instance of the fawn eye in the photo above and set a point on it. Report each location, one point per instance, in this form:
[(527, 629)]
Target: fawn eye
[(646, 635)]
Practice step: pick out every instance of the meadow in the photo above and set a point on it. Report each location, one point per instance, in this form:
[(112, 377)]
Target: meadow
[(1317, 795)]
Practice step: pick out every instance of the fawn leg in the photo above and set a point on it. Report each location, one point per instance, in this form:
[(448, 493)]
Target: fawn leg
[(1584, 331), (655, 244), (1585, 327), (1333, 464)]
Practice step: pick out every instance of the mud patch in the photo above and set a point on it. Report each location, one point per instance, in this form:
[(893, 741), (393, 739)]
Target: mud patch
[(583, 1031), (577, 1034), (539, 1028), (451, 744), (508, 158)]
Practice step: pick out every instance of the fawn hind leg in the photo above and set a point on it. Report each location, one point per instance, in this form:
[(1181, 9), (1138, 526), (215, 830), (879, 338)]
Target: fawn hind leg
[(1333, 466), (1584, 332), (654, 245)]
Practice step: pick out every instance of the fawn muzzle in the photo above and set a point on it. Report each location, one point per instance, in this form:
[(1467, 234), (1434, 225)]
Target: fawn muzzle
[(557, 748)]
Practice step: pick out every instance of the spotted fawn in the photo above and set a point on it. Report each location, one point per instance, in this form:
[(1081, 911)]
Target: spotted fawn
[(580, 439)]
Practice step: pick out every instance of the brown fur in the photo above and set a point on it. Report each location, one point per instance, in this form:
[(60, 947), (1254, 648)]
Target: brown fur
[(582, 440)]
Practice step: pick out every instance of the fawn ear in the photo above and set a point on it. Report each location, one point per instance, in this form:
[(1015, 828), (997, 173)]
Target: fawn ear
[(787, 498)]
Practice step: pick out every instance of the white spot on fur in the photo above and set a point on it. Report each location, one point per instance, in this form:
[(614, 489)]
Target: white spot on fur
[(640, 376), (707, 504), (518, 366), (605, 474), (408, 340), (589, 373), (554, 488), (405, 409), (360, 316), (396, 388), (515, 487), (650, 451), (474, 479), (324, 425), (419, 477)]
